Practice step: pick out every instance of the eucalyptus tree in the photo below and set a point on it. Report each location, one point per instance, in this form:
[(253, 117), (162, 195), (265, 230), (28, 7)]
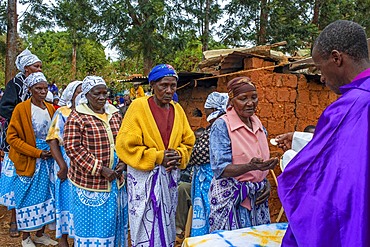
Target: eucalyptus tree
[(11, 40), (135, 28), (202, 16), (75, 17), (269, 21), (354, 10), (292, 21), (54, 49)]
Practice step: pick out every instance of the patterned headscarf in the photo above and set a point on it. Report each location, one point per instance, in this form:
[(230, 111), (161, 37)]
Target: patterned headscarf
[(216, 101), (25, 58), (66, 98), (239, 85), (87, 84), (34, 78), (160, 71)]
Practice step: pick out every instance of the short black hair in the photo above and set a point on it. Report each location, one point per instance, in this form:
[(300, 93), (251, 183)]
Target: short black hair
[(344, 36), (309, 127)]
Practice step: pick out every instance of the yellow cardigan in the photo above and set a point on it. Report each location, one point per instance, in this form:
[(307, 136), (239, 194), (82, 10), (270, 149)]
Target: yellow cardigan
[(134, 94), (22, 140), (139, 143)]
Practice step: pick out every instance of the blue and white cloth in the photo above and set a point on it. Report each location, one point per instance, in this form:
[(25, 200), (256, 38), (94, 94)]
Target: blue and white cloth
[(64, 224), (226, 195), (218, 102), (35, 78), (199, 196), (160, 71), (35, 205), (8, 176), (100, 218), (63, 199), (25, 58)]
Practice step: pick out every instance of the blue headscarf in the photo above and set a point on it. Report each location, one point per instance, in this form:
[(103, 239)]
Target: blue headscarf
[(217, 101), (160, 71)]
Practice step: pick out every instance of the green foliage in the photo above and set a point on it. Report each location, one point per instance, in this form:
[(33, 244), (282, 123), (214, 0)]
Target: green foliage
[(135, 28), (37, 17), (352, 10), (76, 16), (242, 22), (55, 51), (3, 21), (148, 32), (291, 21), (186, 58)]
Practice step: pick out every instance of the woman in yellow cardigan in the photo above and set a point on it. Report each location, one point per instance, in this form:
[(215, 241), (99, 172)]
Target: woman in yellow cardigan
[(136, 91), (154, 140), (31, 155)]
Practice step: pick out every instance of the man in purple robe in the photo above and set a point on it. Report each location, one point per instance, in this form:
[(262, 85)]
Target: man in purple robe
[(325, 188)]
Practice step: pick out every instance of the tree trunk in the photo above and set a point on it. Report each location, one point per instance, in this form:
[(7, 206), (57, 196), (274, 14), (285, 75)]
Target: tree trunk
[(148, 59), (316, 13), (11, 40), (261, 35), (74, 61), (205, 35)]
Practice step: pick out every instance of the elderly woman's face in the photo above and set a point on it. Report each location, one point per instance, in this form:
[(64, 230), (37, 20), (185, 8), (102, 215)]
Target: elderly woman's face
[(39, 90), (36, 67), (97, 97), (245, 104), (164, 90)]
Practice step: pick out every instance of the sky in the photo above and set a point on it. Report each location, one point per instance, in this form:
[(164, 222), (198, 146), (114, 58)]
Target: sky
[(112, 53)]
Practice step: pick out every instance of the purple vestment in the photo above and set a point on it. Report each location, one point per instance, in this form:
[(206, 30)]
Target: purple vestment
[(325, 188)]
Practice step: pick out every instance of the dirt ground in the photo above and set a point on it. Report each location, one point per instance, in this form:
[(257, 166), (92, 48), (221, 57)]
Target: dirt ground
[(5, 240)]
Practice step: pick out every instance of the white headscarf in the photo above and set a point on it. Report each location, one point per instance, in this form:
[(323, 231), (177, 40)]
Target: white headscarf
[(25, 58), (66, 98), (218, 101), (87, 84), (49, 97), (34, 78)]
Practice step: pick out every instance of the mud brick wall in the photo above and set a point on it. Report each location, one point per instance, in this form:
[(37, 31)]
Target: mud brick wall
[(287, 102)]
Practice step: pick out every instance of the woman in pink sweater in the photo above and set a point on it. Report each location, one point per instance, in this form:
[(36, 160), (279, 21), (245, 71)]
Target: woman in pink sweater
[(239, 157)]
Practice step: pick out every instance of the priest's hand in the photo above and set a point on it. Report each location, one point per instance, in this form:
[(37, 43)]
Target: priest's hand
[(285, 141)]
